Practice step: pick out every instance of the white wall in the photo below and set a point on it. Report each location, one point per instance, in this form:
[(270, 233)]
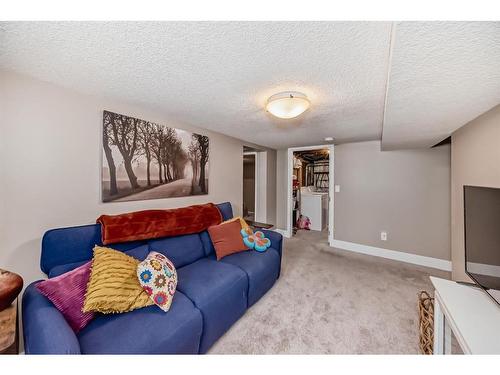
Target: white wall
[(50, 161), (281, 188), (261, 186), (271, 186)]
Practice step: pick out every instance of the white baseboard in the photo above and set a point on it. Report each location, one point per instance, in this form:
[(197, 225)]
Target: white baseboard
[(401, 256)]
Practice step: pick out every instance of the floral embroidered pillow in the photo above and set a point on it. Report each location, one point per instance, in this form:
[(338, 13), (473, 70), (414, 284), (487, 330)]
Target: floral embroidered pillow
[(158, 278)]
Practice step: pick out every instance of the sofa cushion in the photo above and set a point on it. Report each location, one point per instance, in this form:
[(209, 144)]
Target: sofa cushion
[(63, 268), (207, 243), (219, 290), (45, 331), (262, 269), (139, 253), (145, 331), (68, 245), (180, 250), (226, 210)]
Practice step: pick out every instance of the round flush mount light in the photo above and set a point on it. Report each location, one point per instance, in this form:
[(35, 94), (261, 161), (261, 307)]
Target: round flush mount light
[(329, 139), (288, 104)]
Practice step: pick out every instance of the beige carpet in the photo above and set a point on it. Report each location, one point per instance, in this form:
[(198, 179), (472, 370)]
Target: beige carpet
[(338, 303)]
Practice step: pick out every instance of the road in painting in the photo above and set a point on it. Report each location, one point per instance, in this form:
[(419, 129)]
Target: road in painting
[(144, 160)]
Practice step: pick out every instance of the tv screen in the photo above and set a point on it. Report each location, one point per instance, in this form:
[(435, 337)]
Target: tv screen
[(482, 237)]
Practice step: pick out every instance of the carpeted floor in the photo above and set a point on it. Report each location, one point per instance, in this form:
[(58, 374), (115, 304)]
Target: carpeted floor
[(337, 303)]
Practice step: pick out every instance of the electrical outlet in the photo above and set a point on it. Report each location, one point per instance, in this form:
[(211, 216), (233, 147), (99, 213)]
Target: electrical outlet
[(383, 236), (337, 188)]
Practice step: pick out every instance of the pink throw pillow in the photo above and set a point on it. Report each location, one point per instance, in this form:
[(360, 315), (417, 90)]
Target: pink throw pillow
[(67, 293)]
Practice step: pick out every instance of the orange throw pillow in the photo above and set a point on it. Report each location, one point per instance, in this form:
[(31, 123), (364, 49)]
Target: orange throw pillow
[(227, 239)]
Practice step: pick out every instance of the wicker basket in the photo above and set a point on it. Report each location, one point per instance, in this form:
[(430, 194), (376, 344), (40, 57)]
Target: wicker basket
[(426, 322)]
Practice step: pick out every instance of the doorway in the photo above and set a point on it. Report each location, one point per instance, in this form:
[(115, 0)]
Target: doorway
[(310, 190), (249, 186), (255, 184)]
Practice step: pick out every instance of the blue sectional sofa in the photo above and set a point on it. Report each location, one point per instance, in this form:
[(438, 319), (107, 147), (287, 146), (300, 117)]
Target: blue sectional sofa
[(211, 295)]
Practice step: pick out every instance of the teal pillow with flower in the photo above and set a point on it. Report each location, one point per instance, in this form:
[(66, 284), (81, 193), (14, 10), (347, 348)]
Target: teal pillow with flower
[(158, 278), (256, 241)]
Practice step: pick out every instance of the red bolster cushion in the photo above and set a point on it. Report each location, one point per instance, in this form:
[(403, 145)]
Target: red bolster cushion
[(141, 225)]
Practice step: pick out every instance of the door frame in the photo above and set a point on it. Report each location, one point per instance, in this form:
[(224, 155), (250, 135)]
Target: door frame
[(331, 181), (260, 198)]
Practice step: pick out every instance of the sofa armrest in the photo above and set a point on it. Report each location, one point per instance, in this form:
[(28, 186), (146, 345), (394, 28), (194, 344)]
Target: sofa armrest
[(276, 242), (45, 330), (276, 239)]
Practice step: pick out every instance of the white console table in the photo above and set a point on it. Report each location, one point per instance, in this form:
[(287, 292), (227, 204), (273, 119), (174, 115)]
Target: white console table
[(473, 317)]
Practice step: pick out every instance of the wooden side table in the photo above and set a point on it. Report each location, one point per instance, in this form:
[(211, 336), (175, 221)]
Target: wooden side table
[(256, 225), (9, 330)]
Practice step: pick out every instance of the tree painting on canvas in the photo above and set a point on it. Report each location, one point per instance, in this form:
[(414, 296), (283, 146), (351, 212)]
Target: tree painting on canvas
[(144, 160)]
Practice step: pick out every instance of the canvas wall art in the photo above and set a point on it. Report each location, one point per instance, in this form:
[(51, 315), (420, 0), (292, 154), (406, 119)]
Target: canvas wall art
[(144, 160)]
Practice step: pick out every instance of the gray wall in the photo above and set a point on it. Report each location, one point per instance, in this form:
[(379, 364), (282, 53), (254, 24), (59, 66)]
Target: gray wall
[(475, 160), (50, 162), (405, 193)]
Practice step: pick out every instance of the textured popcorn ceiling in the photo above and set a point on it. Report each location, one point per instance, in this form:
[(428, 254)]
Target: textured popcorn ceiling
[(442, 75), (219, 75)]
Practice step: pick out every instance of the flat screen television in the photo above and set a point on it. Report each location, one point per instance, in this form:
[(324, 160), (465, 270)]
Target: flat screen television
[(482, 237)]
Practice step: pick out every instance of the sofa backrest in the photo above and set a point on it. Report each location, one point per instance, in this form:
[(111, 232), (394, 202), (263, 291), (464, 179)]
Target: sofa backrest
[(75, 244)]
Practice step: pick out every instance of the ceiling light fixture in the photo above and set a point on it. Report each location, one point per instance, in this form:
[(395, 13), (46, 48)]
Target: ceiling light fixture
[(329, 139), (288, 104)]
